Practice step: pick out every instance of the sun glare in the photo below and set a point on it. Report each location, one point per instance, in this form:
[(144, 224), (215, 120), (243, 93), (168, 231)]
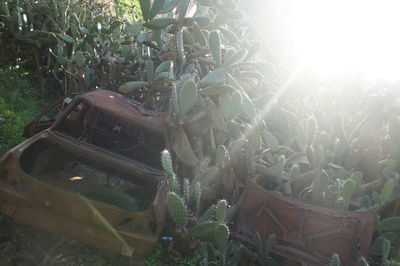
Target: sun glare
[(347, 36)]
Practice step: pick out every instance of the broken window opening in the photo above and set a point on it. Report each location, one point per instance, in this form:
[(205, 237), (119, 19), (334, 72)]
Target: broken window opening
[(112, 133), (77, 174)]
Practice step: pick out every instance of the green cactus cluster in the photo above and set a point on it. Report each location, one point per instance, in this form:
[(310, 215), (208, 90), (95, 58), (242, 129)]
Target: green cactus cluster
[(209, 230), (205, 228)]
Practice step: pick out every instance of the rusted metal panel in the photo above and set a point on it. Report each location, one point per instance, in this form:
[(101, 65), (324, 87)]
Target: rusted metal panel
[(305, 232), (130, 110)]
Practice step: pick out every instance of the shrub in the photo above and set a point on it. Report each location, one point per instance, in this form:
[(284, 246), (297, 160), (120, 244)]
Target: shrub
[(20, 101)]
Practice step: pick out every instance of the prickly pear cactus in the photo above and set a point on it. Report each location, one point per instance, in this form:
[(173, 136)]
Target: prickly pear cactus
[(166, 163), (204, 231), (221, 234), (177, 209), (220, 211)]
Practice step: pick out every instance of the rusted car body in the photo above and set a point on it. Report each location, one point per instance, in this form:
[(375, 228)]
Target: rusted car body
[(305, 233), (90, 172)]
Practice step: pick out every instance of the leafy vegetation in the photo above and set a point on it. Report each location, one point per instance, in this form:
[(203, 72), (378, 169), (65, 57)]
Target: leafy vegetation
[(76, 45), (231, 116), (21, 99)]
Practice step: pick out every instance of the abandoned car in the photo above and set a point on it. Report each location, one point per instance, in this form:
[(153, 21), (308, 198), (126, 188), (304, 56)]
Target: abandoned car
[(90, 171)]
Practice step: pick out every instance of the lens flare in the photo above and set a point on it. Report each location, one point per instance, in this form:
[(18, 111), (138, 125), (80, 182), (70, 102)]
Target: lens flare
[(347, 36)]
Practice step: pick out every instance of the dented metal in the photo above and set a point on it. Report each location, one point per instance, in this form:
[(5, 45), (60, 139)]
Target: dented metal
[(86, 176), (305, 233)]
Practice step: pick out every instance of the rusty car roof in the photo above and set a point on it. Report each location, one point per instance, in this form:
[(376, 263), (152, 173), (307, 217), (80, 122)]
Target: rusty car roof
[(128, 109)]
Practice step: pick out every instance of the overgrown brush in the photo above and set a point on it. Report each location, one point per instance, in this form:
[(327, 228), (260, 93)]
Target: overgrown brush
[(21, 99)]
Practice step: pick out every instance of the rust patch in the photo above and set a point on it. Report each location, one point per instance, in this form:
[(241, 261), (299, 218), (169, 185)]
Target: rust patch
[(305, 233)]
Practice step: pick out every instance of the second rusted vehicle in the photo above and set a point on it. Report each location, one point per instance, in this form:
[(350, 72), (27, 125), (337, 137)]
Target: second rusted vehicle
[(305, 233), (90, 171)]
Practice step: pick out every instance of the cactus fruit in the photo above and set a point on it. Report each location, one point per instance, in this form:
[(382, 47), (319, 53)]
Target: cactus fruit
[(177, 209), (221, 234)]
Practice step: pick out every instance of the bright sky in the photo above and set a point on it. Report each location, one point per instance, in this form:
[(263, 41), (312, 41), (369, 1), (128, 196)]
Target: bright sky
[(336, 36)]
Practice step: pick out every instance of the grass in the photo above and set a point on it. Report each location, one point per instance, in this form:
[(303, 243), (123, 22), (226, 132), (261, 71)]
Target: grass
[(23, 245)]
